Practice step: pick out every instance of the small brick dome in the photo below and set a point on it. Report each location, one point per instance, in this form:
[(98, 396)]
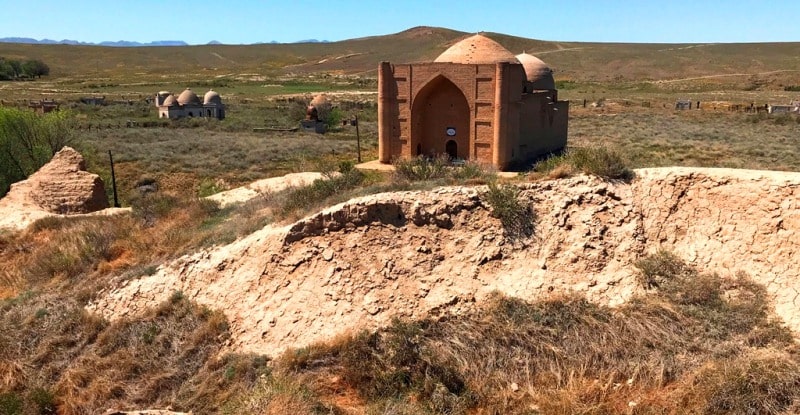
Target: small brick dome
[(537, 72), (477, 50), (319, 100), (212, 97), (170, 101)]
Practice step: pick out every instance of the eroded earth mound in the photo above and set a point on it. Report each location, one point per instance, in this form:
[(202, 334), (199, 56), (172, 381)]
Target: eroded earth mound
[(415, 254), (62, 186)]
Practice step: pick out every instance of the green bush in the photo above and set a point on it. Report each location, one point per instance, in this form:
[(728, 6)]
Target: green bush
[(43, 400), (598, 161), (10, 404), (150, 207), (420, 168), (28, 141), (516, 217), (663, 266), (303, 198)]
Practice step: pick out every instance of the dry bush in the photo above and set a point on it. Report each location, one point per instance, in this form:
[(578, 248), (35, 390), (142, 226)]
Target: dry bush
[(760, 382), (279, 395), (440, 169), (566, 355), (142, 362), (598, 161), (516, 217)]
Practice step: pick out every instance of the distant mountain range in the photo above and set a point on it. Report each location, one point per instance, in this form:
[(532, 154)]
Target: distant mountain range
[(121, 43)]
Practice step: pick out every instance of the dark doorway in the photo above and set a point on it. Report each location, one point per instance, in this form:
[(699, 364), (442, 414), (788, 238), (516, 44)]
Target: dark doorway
[(419, 149), (452, 149)]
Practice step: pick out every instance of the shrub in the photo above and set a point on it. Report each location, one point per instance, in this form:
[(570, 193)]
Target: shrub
[(420, 168), (516, 217), (43, 400), (28, 141), (315, 194), (598, 161), (10, 404), (662, 266), (473, 172), (150, 207), (759, 383)]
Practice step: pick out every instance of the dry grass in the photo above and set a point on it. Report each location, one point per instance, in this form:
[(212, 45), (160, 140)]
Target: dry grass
[(598, 161), (698, 138), (686, 347)]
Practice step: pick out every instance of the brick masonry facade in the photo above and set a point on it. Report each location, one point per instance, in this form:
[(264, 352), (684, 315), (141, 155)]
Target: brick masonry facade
[(477, 112)]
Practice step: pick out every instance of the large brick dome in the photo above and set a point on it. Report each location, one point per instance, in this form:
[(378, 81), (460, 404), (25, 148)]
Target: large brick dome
[(476, 50), (537, 72), (188, 97)]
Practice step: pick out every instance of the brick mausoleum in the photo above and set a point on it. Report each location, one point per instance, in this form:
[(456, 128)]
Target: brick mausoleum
[(476, 101)]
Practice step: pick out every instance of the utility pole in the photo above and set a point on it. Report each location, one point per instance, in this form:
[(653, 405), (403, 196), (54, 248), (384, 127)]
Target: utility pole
[(113, 179), (358, 138)]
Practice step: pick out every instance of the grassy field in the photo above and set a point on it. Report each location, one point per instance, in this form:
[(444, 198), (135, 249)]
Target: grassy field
[(600, 62), (684, 347), (693, 138)]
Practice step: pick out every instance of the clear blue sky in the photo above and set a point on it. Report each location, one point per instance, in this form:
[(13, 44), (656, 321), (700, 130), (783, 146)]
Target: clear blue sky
[(251, 21)]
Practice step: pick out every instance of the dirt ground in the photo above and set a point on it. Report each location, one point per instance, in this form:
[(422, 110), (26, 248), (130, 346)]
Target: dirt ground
[(416, 254)]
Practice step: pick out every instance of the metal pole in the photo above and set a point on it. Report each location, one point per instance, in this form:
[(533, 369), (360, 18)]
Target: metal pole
[(113, 179), (358, 140)]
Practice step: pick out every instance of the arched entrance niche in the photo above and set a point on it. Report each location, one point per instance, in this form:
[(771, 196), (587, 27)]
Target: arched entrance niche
[(451, 148), (440, 114)]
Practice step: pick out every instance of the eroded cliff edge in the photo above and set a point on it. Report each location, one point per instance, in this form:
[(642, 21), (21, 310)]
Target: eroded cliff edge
[(413, 254)]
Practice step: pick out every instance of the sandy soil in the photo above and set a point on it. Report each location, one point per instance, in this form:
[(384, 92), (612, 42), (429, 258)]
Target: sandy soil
[(417, 254)]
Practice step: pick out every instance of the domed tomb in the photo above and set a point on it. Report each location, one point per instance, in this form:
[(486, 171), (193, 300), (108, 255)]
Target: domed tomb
[(188, 97), (170, 101), (322, 105), (476, 50), (537, 72), (212, 97)]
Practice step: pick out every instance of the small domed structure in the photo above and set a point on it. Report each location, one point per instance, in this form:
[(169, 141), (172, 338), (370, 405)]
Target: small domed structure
[(320, 100), (537, 72), (476, 50), (170, 101), (187, 104), (212, 97), (322, 105), (188, 97)]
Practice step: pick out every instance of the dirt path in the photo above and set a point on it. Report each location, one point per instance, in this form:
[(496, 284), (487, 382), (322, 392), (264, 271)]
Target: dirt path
[(667, 81)]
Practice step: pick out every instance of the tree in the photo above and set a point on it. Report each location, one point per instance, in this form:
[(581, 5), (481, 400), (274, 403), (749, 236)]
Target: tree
[(28, 141), (6, 70), (16, 67), (35, 68)]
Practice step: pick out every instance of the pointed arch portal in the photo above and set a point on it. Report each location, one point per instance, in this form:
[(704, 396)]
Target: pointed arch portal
[(441, 120)]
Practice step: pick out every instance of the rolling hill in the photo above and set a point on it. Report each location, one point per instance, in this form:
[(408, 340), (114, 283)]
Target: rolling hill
[(579, 61)]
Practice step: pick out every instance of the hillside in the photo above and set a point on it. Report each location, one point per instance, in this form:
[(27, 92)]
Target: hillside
[(599, 62), (672, 293), (441, 252)]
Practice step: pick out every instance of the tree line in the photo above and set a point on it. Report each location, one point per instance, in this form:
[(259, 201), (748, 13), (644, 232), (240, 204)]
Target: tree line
[(12, 69), (28, 141)]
